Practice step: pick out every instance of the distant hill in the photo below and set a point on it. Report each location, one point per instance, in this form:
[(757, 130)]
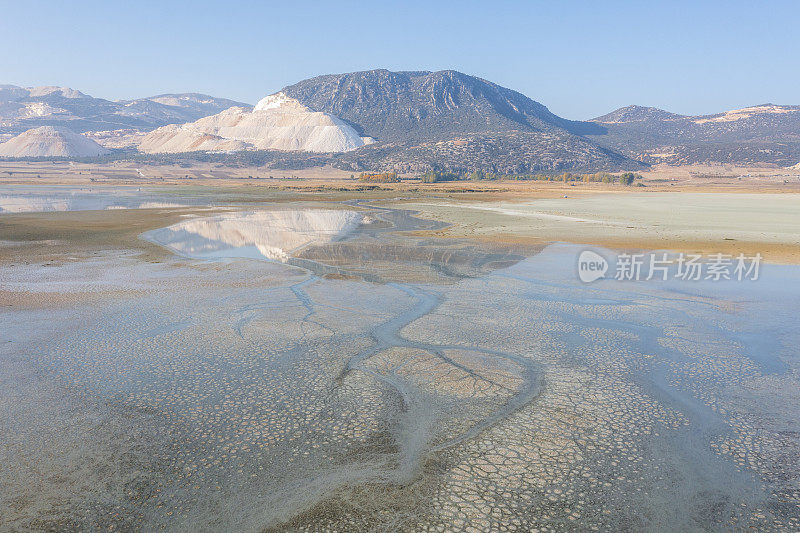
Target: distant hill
[(24, 108), (762, 134), (50, 141), (636, 113)]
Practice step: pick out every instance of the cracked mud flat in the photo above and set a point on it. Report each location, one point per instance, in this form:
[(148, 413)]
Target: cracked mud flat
[(379, 381)]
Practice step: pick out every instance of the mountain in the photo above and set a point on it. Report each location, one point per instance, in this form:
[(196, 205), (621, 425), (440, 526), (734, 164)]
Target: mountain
[(418, 121), (451, 121), (50, 141), (762, 134), (276, 123), (196, 102), (410, 121), (23, 108), (417, 106), (176, 108)]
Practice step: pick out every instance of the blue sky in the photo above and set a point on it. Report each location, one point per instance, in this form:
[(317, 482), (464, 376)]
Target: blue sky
[(581, 59)]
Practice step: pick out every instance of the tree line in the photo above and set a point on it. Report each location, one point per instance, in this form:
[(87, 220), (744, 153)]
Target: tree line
[(626, 178)]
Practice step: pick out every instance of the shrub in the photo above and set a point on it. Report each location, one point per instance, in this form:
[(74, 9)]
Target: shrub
[(382, 177)]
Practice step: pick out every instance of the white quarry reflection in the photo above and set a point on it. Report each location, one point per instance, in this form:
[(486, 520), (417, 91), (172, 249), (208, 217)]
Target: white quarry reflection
[(21, 204), (48, 199), (260, 235)]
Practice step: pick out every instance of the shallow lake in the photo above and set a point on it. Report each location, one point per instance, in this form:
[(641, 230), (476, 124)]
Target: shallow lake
[(306, 368)]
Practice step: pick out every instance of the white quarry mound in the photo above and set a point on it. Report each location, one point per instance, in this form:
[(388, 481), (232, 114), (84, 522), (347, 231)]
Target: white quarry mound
[(39, 109), (263, 234), (747, 112), (276, 123), (50, 141), (174, 139)]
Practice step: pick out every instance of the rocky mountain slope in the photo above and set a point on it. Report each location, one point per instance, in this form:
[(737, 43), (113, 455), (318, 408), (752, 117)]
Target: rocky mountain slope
[(412, 106), (512, 152), (24, 108), (276, 123), (50, 141)]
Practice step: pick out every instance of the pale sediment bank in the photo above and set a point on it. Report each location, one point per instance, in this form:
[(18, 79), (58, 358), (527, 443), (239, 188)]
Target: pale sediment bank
[(693, 222)]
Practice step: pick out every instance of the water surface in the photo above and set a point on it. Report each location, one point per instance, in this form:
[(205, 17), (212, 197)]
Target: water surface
[(304, 368)]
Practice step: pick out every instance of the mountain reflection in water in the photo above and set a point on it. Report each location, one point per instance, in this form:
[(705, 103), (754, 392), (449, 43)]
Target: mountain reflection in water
[(272, 235)]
